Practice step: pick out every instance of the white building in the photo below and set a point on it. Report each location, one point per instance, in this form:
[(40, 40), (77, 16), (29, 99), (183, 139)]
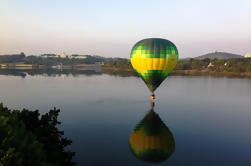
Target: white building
[(63, 55), (247, 55), (210, 65), (78, 57), (49, 56)]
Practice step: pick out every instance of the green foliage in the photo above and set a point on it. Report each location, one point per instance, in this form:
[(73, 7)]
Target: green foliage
[(120, 63), (218, 65), (27, 140), (239, 65), (215, 65), (192, 64)]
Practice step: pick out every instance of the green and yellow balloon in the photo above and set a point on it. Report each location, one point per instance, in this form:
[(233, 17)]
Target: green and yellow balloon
[(154, 59)]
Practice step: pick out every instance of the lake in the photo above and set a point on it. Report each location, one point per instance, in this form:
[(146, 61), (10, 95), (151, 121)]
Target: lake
[(195, 121)]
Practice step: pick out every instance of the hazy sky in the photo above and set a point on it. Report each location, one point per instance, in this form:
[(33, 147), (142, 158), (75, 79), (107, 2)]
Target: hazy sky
[(112, 27)]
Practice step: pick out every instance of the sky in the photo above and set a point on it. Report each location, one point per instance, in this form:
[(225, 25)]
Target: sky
[(110, 28)]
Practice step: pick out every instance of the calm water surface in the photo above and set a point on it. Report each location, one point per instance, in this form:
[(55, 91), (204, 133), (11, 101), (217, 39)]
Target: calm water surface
[(195, 121)]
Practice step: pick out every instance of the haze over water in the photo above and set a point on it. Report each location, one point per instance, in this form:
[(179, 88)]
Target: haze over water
[(209, 117)]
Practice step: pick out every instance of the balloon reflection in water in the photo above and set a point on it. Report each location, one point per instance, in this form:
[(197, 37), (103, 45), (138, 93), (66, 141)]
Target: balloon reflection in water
[(151, 140)]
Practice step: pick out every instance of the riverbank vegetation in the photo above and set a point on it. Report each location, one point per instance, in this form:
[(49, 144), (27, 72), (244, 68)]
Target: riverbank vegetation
[(218, 67), (28, 139), (237, 67)]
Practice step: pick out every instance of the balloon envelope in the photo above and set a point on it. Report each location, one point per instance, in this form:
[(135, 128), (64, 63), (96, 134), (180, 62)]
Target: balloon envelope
[(154, 59)]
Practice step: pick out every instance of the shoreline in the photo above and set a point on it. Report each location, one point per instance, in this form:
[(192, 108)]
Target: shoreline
[(183, 72), (128, 72)]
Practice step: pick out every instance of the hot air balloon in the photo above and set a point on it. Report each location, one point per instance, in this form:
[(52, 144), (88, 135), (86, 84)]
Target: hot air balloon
[(151, 140), (154, 59)]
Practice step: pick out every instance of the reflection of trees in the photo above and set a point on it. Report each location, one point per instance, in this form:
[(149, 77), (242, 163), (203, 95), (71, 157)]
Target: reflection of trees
[(28, 139), (151, 140), (54, 72), (121, 73), (47, 72), (12, 72)]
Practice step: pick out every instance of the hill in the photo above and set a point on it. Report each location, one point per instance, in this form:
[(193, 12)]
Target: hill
[(219, 55)]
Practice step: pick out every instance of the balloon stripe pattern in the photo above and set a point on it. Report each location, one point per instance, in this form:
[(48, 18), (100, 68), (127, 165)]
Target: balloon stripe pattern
[(154, 59)]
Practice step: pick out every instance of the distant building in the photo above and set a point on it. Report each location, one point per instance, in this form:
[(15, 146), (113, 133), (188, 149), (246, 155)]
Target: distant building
[(78, 57), (210, 65), (247, 55), (63, 55), (3, 66), (49, 56)]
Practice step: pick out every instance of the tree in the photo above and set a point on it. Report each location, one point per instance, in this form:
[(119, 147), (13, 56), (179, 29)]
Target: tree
[(27, 140)]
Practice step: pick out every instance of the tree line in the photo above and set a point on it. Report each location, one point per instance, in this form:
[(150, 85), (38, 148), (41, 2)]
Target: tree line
[(217, 65), (38, 60), (12, 58)]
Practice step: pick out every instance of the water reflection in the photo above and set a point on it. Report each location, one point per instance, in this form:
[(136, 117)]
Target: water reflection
[(151, 140), (65, 72), (48, 72)]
